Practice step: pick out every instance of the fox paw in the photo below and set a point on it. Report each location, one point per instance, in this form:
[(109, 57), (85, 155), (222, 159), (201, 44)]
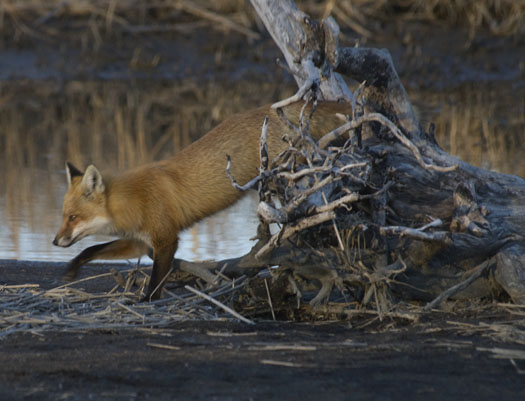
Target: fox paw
[(71, 271)]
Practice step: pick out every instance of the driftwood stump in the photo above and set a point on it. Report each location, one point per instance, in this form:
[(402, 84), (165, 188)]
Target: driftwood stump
[(383, 212)]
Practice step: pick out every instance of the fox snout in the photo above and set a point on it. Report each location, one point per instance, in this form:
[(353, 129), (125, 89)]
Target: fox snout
[(62, 241)]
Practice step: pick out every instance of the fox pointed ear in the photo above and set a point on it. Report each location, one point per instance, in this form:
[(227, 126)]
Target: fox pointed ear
[(71, 172), (92, 181)]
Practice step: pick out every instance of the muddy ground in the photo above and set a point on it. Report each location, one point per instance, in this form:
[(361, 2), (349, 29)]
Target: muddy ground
[(435, 358), (441, 356), (231, 361)]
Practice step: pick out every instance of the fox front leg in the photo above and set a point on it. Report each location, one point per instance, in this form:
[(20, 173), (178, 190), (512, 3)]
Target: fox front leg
[(119, 249)]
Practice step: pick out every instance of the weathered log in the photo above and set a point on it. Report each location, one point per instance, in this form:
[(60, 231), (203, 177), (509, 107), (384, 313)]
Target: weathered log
[(482, 212)]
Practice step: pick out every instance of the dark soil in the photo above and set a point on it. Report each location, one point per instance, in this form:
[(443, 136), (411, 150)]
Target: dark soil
[(225, 360), (229, 361)]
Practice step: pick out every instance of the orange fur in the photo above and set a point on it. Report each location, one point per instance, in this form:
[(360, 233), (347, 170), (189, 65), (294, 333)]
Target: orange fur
[(148, 206)]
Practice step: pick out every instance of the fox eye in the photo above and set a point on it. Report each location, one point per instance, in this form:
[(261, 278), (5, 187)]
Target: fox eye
[(72, 217)]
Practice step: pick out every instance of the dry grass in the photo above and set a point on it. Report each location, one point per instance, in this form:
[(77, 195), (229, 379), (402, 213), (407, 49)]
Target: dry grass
[(103, 18), (28, 308), (97, 20), (500, 17), (483, 128)]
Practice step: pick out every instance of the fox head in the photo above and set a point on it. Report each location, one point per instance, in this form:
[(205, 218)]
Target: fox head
[(84, 209)]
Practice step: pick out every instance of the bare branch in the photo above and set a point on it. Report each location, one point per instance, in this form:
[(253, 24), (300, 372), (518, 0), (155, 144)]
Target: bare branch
[(380, 118), (270, 214), (249, 185), (263, 146), (302, 224), (438, 236), (352, 197), (304, 195), (312, 81)]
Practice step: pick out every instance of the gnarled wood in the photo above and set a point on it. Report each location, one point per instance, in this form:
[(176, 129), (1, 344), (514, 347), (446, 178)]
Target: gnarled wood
[(482, 212)]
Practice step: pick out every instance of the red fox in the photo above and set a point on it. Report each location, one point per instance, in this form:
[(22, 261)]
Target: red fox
[(148, 206)]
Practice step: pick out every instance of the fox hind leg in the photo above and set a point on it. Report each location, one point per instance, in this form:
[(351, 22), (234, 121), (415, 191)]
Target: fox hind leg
[(163, 256)]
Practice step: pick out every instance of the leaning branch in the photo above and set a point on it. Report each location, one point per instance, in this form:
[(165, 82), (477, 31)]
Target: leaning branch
[(478, 271), (219, 304)]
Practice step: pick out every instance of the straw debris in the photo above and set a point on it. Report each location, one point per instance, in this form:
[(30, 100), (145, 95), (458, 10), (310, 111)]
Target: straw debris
[(28, 308)]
